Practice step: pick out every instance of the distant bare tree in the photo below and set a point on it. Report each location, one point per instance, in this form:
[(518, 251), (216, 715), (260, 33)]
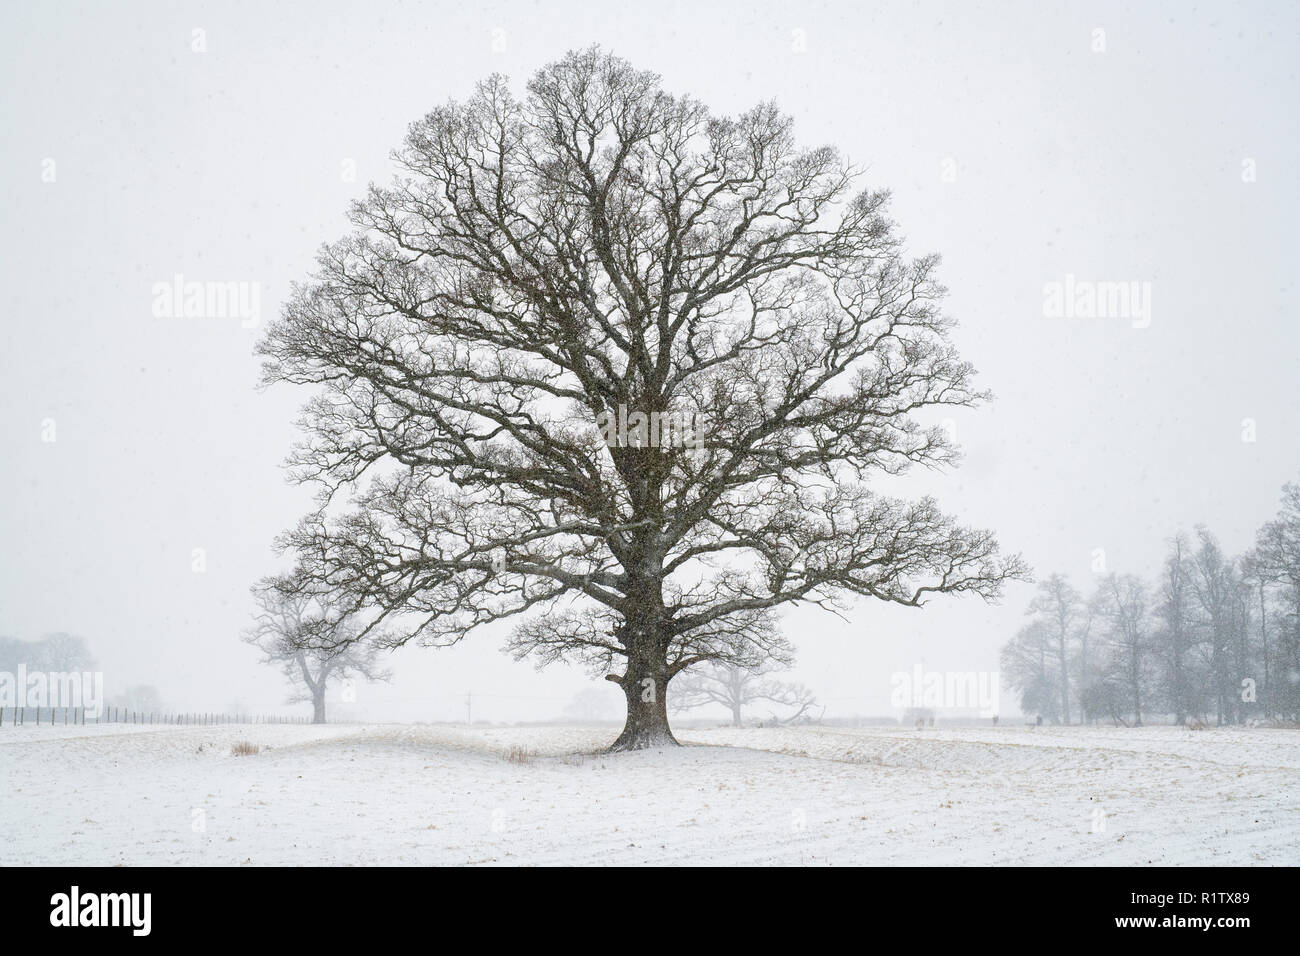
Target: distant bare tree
[(1175, 637), (1123, 605), (589, 705), (53, 653), (1027, 666), (1277, 552), (141, 698), (1084, 664), (1258, 577), (1214, 583), (736, 688), (63, 653), (600, 344), (310, 641), (15, 651), (1062, 610)]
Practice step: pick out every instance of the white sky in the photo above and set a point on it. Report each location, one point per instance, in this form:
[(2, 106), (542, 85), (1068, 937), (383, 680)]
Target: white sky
[(1124, 165)]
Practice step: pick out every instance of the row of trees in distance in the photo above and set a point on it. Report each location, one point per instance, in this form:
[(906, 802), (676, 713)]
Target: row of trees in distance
[(1208, 637)]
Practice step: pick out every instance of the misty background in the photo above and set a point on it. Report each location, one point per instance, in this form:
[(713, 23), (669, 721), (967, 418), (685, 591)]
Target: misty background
[(1013, 144)]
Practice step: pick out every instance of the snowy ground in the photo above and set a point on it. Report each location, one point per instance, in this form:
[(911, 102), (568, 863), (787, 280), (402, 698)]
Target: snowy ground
[(396, 794)]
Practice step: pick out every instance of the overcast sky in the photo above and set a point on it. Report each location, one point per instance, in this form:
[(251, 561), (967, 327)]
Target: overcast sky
[(1020, 142)]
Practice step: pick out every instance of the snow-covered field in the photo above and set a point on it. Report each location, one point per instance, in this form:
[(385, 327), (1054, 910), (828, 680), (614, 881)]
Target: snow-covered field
[(398, 794)]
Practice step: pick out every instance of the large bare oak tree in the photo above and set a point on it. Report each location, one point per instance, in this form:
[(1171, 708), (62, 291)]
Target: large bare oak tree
[(600, 251)]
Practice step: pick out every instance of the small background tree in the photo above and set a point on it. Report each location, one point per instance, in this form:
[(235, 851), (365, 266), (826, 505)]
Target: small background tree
[(1029, 667), (1277, 558), (58, 652), (141, 698), (737, 688), (315, 646), (591, 705)]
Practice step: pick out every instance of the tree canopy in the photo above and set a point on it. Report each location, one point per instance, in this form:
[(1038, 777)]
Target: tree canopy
[(602, 250)]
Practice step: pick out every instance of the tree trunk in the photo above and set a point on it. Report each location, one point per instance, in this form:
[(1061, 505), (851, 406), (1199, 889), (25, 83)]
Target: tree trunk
[(647, 709), (645, 681), (1180, 708), (1295, 653), (1136, 677), (1063, 650), (735, 715), (318, 706), (1262, 698)]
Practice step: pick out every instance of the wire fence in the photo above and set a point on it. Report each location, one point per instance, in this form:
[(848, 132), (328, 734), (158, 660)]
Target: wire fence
[(66, 716)]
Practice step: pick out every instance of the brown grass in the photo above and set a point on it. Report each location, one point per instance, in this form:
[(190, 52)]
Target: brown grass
[(520, 755), (244, 749)]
